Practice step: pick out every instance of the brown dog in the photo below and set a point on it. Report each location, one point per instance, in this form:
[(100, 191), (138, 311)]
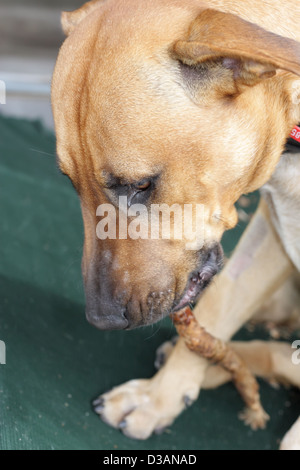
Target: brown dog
[(181, 102)]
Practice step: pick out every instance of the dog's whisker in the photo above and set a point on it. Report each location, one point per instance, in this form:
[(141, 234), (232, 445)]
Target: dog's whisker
[(42, 152)]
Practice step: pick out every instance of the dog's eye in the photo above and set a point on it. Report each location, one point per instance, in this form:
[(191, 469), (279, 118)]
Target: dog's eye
[(143, 185), (139, 192)]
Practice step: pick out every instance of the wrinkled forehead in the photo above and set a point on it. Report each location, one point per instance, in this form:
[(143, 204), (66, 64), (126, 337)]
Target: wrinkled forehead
[(130, 68), (142, 118), (137, 106), (134, 112), (116, 89)]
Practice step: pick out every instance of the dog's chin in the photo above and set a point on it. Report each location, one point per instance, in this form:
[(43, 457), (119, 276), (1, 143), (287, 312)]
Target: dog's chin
[(150, 320), (192, 293)]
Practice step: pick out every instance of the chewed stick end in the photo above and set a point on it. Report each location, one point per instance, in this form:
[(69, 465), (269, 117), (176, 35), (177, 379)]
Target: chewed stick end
[(256, 419)]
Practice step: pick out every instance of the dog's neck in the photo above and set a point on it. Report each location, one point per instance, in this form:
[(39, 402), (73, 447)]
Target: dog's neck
[(293, 143)]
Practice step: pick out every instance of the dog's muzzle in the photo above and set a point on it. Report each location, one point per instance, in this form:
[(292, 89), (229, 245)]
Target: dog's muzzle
[(106, 312)]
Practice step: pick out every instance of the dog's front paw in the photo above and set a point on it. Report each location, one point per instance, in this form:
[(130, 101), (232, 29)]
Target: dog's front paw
[(140, 407)]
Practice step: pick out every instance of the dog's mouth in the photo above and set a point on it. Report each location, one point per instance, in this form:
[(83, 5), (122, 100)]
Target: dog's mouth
[(200, 279)]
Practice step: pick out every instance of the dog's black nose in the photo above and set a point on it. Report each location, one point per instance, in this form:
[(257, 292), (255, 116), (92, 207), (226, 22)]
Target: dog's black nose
[(108, 317)]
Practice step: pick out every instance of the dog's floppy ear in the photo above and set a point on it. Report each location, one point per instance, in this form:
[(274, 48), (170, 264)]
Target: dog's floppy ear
[(70, 19), (241, 53)]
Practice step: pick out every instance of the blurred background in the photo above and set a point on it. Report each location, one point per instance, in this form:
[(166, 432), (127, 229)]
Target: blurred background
[(30, 36)]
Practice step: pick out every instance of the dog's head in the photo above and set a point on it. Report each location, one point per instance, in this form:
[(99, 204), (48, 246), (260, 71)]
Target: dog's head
[(168, 103)]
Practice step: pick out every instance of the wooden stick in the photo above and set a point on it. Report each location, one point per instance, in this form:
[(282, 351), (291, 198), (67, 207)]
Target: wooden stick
[(200, 341)]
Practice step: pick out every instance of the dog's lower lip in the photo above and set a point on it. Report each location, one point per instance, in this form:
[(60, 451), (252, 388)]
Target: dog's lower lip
[(191, 293), (199, 280)]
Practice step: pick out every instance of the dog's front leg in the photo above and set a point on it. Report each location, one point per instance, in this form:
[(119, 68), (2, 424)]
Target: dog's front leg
[(258, 266), (291, 440)]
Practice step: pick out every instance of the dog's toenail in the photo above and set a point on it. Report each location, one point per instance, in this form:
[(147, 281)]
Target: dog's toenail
[(98, 402), (98, 409), (187, 401), (123, 424)]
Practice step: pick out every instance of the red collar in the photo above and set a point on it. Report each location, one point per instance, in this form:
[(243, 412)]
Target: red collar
[(295, 134), (293, 143)]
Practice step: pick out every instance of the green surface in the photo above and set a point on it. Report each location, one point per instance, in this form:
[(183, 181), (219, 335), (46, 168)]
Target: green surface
[(56, 362)]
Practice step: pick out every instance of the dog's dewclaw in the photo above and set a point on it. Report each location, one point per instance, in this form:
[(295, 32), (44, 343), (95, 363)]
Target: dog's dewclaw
[(200, 341)]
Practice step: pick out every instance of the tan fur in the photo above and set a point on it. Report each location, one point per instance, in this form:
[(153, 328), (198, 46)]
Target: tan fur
[(213, 128), (283, 308), (291, 440)]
